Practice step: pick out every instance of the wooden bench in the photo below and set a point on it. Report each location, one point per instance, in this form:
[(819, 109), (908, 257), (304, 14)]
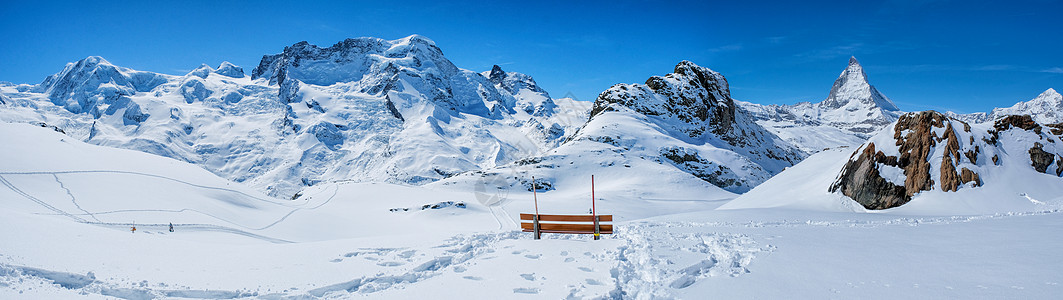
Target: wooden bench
[(572, 224)]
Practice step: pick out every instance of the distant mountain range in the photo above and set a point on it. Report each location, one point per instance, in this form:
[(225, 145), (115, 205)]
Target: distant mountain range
[(369, 109)]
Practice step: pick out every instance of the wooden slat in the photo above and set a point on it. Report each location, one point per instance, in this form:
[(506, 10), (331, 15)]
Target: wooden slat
[(544, 227), (569, 232), (567, 218)]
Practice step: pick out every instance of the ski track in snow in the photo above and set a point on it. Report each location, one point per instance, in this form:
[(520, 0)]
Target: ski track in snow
[(72, 198), (184, 226), (150, 175)]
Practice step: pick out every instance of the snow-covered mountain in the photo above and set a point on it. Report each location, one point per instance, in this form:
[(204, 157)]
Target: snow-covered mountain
[(929, 163), (681, 129), (1046, 108), (364, 109), (852, 112)]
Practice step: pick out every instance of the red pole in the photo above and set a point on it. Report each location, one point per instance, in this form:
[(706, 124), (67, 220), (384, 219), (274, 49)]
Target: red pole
[(535, 197), (594, 211)]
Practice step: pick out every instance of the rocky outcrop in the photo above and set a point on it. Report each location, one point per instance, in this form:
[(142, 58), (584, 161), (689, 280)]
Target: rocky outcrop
[(920, 139), (916, 139), (1041, 159), (527, 94), (860, 180), (694, 105), (692, 94)]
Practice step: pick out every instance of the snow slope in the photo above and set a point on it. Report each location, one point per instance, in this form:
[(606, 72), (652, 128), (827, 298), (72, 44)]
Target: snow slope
[(366, 109), (649, 143), (373, 240), (1006, 181)]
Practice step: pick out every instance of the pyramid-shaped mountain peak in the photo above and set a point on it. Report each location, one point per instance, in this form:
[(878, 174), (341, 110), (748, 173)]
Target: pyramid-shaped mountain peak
[(852, 88)]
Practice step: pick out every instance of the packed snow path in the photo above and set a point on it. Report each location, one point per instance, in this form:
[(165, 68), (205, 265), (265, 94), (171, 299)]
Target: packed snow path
[(776, 255)]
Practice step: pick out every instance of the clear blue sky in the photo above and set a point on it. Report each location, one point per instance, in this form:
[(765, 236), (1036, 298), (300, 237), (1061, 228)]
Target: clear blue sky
[(964, 56)]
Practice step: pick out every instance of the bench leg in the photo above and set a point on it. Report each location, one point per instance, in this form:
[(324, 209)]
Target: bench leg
[(597, 230), (535, 225)]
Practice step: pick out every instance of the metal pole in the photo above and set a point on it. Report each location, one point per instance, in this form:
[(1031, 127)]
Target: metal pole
[(535, 197), (594, 211)]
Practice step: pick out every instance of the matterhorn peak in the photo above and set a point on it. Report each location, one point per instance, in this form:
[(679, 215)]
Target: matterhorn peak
[(852, 88)]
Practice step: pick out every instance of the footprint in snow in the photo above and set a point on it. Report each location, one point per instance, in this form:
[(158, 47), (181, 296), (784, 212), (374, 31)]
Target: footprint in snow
[(528, 277), (586, 269), (533, 256), (473, 278), (389, 264), (459, 269), (525, 290), (593, 282), (407, 254), (569, 259)]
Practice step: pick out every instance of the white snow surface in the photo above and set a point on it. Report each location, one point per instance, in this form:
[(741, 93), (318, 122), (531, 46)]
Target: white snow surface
[(1012, 185), (1046, 108), (68, 206), (688, 120), (367, 110)]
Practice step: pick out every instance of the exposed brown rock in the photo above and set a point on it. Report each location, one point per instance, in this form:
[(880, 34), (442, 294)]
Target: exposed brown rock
[(860, 180), (996, 160), (915, 139), (1019, 121), (950, 180), (970, 176), (1040, 159), (1059, 165), (1055, 129), (915, 147), (972, 155)]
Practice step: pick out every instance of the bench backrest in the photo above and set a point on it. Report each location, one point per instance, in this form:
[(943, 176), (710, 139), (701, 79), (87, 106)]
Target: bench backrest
[(578, 224)]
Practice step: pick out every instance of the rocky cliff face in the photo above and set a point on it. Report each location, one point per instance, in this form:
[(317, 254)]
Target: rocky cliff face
[(528, 96), (693, 104), (697, 97), (411, 71), (680, 129), (928, 150)]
